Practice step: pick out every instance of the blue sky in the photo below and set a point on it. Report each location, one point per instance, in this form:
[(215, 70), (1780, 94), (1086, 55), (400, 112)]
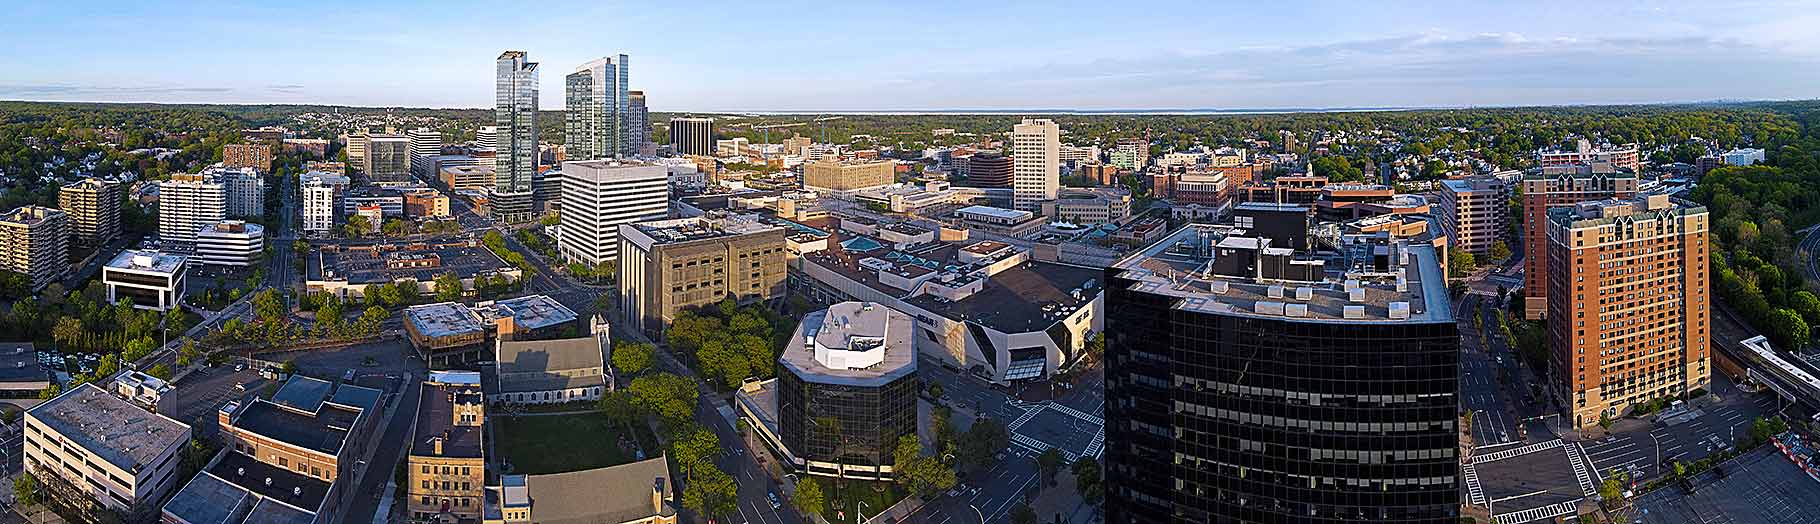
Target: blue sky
[(858, 55)]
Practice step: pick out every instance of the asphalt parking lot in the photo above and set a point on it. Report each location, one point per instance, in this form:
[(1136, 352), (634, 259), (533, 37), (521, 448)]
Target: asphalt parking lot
[(1761, 486), (1644, 450), (204, 391)]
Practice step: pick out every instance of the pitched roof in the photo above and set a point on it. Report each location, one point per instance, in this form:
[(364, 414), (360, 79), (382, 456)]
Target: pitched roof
[(612, 494)]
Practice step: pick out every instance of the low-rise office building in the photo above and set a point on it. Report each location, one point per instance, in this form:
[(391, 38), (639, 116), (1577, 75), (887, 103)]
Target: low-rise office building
[(101, 447), (21, 375), (1090, 206), (998, 221), (347, 268), (469, 176), (153, 280), (445, 333), (230, 243)]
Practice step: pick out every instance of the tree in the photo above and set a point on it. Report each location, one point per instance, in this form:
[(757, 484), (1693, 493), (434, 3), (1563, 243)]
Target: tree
[(162, 371), (1612, 490), (289, 367), (1500, 250), (710, 492), (357, 226), (26, 489), (1680, 469), (448, 287), (1050, 462), (619, 406), (809, 497), (1022, 514), (1088, 480), (922, 474), (671, 397), (633, 358), (696, 448), (268, 306), (983, 441), (1787, 329), (1808, 305), (67, 331), (1460, 263)]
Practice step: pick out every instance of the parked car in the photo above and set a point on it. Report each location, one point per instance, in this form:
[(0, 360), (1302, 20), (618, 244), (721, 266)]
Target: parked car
[(774, 503)]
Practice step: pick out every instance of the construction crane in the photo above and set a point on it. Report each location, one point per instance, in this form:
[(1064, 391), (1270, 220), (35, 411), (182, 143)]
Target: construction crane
[(822, 122)]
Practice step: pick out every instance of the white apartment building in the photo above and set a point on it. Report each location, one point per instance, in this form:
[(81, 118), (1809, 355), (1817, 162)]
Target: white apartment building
[(188, 202), (108, 449), (1473, 212), (245, 190), (1742, 157), (230, 243), (1036, 163), (319, 209), (152, 279), (598, 196)]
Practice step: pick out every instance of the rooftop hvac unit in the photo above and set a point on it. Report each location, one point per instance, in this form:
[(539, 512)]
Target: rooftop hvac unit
[(1296, 310), (1399, 310), (1353, 312), (1402, 284), (1356, 294), (1269, 308), (1274, 291), (1304, 293), (1219, 287)]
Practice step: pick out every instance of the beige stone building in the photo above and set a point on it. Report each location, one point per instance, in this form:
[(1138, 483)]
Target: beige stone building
[(93, 206), (446, 470), (256, 156), (836, 176), (34, 241), (1474, 212), (102, 447), (1628, 303), (669, 265)]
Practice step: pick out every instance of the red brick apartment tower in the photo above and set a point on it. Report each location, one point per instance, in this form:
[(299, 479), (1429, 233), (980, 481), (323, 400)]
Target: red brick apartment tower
[(1559, 187)]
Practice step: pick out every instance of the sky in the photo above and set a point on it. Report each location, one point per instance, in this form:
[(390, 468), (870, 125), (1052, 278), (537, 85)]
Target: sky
[(857, 55)]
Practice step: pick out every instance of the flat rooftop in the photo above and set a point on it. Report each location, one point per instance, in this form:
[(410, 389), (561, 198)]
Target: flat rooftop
[(852, 331), (443, 319), (530, 312), (368, 263), (147, 260), (995, 212), (546, 365), (120, 432), (436, 419), (1181, 266), (283, 496), (305, 412)]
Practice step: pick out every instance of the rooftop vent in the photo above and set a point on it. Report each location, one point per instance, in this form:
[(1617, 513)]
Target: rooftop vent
[(1304, 293), (1356, 294), (297, 491), (268, 482), (1268, 308), (1402, 284), (1399, 310), (1296, 310), (1219, 287), (1353, 312), (1274, 291)]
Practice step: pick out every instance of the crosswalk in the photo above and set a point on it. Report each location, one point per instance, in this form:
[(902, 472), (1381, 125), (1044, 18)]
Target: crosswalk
[(1534, 514), (1580, 473), (1517, 452), (1475, 494)]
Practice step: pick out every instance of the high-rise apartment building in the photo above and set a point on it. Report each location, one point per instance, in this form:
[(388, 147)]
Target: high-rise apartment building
[(1036, 163), (1560, 187), (836, 176), (93, 206), (1250, 382), (597, 120), (516, 117), (320, 195), (188, 202), (598, 196), (668, 266), (692, 136), (356, 149), (256, 156), (388, 159), (426, 145), (34, 241), (640, 116), (245, 190), (1473, 212), (1131, 154), (1628, 303)]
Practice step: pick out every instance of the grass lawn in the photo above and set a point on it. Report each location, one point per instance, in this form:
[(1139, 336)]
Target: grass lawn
[(560, 443), (842, 499)]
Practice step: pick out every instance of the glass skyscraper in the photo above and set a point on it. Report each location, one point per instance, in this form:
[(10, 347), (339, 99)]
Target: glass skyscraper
[(598, 120), (516, 118)]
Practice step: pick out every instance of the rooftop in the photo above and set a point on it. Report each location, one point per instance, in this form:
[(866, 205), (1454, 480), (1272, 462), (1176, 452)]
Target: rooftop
[(443, 319), (369, 263), (529, 312), (232, 227), (545, 365), (436, 420), (703, 227), (610, 494), (306, 412), (147, 260), (118, 431), (1218, 269), (1594, 213), (289, 497), (995, 212), (29, 215), (852, 343), (209, 500)]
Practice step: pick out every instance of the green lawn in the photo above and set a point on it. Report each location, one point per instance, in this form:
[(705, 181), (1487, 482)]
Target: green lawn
[(845, 498), (560, 443)]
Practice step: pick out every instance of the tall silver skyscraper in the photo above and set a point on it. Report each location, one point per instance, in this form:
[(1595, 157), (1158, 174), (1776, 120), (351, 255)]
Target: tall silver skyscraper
[(516, 118), (597, 111)]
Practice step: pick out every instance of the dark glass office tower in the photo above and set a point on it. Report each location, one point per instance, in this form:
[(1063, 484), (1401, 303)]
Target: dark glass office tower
[(1247, 383)]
